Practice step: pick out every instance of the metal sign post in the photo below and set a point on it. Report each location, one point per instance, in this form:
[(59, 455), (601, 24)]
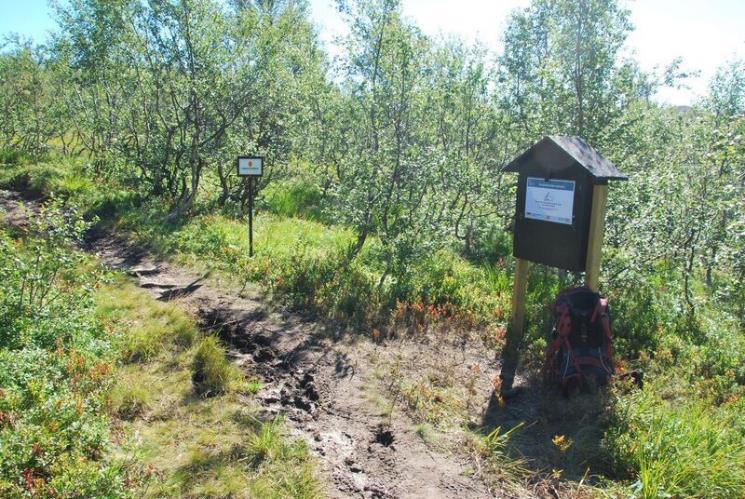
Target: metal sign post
[(250, 166), (250, 216)]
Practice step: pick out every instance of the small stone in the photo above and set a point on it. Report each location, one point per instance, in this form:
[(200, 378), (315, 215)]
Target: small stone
[(137, 271)]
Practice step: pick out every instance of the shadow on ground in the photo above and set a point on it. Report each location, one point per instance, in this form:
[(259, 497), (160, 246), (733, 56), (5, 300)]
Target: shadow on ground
[(558, 433)]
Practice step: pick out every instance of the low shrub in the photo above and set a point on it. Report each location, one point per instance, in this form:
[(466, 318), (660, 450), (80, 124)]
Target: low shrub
[(55, 369), (351, 295), (302, 276), (637, 318), (680, 447)]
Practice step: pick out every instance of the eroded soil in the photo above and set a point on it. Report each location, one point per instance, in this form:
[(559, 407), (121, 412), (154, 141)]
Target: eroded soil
[(357, 402), (310, 374)]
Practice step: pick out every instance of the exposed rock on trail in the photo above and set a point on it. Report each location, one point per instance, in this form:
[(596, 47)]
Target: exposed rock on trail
[(316, 379)]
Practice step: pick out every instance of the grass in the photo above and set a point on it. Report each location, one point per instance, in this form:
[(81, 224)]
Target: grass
[(680, 444), (425, 432), (212, 374), (430, 402), (697, 362), (185, 444), (298, 258), (65, 179), (296, 198), (128, 400), (150, 330), (493, 462), (302, 262)]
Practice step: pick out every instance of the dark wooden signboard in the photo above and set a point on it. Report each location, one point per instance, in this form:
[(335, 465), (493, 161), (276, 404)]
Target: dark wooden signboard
[(543, 234), (554, 200), (562, 189)]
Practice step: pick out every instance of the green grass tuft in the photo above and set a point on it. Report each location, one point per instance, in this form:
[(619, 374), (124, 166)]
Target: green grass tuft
[(130, 400), (294, 198), (254, 386), (497, 465), (676, 446), (153, 328), (212, 374)]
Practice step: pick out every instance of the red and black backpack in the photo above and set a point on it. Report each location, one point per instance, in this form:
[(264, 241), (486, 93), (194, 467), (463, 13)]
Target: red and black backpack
[(582, 342)]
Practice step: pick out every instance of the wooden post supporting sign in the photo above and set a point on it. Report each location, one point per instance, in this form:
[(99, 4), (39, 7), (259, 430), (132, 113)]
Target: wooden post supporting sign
[(595, 240), (522, 267), (561, 196), (517, 323)]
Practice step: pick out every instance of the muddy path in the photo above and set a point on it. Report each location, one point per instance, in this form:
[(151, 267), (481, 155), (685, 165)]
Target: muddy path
[(318, 379)]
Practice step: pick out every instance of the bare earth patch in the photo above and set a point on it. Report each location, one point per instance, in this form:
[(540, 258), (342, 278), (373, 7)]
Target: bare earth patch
[(391, 419)]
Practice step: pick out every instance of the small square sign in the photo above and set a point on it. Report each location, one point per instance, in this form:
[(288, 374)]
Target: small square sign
[(550, 200), (250, 166)]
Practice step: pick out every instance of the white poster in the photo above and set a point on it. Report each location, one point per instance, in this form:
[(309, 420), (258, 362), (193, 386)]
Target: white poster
[(549, 200), (249, 166)]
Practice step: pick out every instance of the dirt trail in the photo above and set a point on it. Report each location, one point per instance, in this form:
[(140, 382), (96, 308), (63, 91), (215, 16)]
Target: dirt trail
[(316, 379)]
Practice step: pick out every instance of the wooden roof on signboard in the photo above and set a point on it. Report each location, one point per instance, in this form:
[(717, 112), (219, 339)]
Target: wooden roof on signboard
[(559, 148)]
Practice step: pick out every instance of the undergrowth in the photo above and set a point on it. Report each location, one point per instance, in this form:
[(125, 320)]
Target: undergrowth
[(493, 461), (96, 395), (190, 444), (683, 433), (56, 365), (212, 373), (653, 441)]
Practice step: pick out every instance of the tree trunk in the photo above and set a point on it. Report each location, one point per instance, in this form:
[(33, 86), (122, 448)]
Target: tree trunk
[(223, 185), (355, 250)]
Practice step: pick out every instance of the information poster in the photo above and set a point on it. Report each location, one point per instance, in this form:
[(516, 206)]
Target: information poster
[(250, 166), (549, 200)]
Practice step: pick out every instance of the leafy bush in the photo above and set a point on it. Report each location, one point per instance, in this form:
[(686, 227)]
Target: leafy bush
[(294, 198), (678, 448), (637, 319), (351, 295), (492, 245), (55, 367), (304, 273)]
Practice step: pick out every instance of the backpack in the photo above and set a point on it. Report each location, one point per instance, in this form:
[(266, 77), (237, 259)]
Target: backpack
[(582, 341)]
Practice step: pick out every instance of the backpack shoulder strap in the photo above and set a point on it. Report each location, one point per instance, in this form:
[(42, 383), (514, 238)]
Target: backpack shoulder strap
[(601, 313)]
